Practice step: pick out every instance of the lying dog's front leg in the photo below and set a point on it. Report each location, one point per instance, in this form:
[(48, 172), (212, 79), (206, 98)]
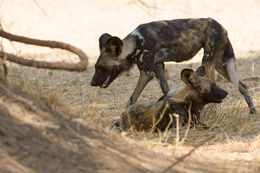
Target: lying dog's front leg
[(145, 77)]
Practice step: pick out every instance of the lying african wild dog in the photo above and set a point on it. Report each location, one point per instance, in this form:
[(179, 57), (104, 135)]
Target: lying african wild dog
[(197, 92), (152, 44)]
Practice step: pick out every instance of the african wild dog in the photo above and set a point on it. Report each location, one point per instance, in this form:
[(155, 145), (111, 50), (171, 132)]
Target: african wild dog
[(152, 44), (197, 92)]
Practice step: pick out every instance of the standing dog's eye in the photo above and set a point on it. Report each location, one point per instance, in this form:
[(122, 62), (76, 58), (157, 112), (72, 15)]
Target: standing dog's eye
[(101, 68)]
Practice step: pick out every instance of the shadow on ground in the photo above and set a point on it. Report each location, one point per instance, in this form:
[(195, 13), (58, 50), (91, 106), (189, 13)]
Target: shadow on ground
[(63, 147)]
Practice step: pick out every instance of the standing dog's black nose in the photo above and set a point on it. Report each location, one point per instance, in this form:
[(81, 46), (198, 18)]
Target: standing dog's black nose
[(93, 83)]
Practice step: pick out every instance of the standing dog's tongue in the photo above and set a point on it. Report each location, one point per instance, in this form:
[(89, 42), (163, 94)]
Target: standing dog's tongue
[(105, 84)]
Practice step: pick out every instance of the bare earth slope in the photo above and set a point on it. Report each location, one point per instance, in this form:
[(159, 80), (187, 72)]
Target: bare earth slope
[(48, 142)]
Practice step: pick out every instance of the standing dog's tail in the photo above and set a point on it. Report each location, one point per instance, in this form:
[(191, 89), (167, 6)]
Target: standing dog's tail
[(231, 64), (227, 67)]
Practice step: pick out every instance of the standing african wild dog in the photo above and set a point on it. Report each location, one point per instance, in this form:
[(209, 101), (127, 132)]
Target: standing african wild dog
[(197, 92), (152, 44)]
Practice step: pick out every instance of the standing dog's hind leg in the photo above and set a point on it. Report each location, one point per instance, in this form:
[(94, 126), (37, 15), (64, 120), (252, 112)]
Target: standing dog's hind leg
[(214, 47), (209, 70), (244, 91), (231, 70), (228, 70)]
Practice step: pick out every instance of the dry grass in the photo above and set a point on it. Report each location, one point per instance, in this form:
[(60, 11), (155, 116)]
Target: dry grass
[(236, 148)]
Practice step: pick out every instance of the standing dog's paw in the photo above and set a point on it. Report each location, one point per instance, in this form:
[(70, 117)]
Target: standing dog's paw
[(252, 111)]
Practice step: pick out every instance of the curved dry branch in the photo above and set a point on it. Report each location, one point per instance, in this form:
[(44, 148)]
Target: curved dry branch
[(81, 66)]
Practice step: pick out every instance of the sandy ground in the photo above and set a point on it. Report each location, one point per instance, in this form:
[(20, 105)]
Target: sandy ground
[(81, 23), (74, 136)]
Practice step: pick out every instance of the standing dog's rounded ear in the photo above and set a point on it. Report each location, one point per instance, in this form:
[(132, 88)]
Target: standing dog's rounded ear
[(103, 40), (114, 46), (190, 78)]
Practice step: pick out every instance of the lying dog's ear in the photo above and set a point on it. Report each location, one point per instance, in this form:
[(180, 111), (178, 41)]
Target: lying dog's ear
[(190, 78), (114, 46), (103, 40)]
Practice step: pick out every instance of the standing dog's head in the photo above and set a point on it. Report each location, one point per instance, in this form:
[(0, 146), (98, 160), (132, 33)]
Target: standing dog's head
[(111, 61)]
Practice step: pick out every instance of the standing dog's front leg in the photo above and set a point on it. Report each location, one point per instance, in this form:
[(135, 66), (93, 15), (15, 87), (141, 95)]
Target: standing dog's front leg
[(160, 75), (145, 77)]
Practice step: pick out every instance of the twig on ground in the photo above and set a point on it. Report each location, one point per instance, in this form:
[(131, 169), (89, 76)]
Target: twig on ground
[(255, 88), (145, 4), (188, 128), (38, 5), (161, 116), (252, 78), (154, 7), (3, 75), (189, 153), (177, 129)]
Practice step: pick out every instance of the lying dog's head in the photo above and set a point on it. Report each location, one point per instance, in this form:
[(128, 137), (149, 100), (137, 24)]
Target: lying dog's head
[(201, 89), (112, 59), (197, 90)]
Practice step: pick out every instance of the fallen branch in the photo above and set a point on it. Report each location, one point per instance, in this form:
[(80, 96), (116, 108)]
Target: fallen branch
[(145, 4), (81, 66), (252, 78), (189, 153), (142, 3)]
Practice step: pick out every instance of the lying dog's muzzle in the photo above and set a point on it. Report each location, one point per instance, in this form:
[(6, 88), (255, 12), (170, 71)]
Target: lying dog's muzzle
[(221, 93)]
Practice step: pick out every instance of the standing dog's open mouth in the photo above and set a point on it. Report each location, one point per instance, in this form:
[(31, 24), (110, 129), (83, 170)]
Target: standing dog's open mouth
[(106, 83)]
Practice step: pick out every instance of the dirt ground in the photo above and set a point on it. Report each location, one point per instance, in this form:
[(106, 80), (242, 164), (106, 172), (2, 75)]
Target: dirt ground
[(46, 141), (54, 121), (34, 138)]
